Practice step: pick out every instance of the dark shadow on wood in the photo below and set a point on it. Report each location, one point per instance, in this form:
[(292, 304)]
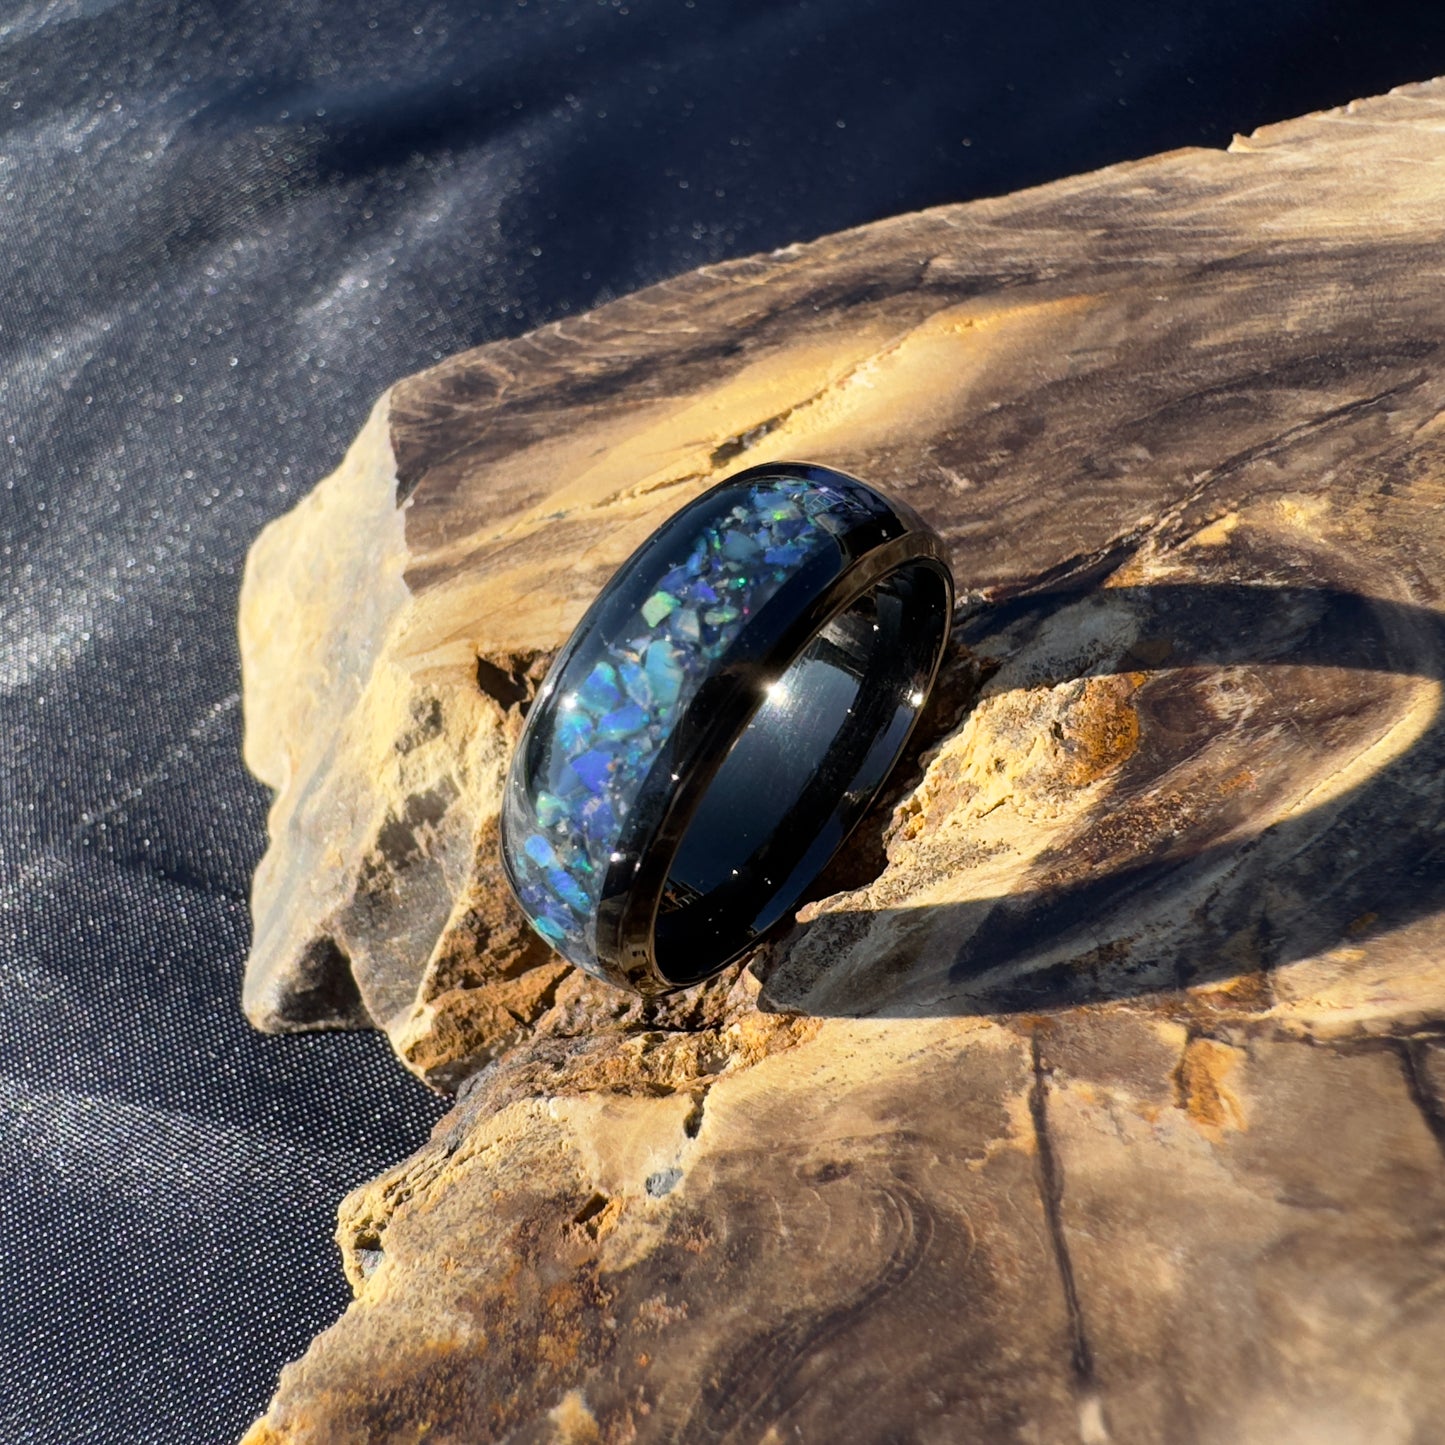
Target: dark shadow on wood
[(1367, 861)]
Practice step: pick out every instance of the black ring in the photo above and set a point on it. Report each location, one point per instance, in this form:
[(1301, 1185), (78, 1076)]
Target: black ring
[(720, 720)]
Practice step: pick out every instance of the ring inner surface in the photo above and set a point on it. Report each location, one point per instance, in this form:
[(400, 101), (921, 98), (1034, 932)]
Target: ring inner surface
[(801, 774)]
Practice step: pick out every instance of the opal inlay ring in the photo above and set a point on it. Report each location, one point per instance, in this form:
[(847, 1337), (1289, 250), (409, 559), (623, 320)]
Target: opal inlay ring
[(720, 720)]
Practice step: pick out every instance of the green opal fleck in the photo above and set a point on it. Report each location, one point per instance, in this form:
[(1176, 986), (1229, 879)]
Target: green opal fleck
[(657, 607), (550, 808), (549, 929), (663, 665)]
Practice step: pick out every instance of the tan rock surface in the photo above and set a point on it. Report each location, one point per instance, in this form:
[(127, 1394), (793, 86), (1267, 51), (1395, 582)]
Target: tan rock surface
[(1097, 1095)]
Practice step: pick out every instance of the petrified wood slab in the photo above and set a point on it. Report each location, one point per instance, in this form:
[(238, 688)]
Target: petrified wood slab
[(1097, 1094)]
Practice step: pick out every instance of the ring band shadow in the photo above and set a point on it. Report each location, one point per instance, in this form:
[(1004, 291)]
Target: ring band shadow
[(1215, 899)]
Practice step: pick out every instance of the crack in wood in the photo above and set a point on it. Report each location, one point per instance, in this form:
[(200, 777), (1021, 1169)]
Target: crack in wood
[(1232, 465), (1051, 1194)]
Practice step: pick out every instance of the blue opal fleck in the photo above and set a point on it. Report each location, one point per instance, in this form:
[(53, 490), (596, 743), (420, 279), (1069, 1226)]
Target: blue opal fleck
[(627, 719), (739, 547), (634, 679), (592, 768), (599, 819), (569, 890), (574, 729), (600, 693)]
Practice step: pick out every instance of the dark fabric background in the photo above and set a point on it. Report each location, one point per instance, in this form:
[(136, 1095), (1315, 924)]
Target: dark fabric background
[(226, 228)]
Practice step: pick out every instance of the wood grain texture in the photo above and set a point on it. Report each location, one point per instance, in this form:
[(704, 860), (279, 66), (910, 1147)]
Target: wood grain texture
[(1098, 1092)]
